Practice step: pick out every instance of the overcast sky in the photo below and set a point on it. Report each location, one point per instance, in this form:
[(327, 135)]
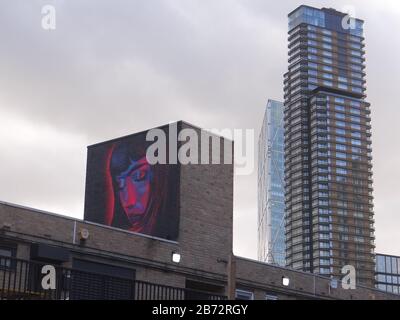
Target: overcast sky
[(111, 68)]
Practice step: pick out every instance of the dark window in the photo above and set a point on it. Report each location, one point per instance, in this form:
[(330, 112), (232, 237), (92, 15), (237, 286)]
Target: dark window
[(201, 291), (7, 253), (244, 295), (92, 280)]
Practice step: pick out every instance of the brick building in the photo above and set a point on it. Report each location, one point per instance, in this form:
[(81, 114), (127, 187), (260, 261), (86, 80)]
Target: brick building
[(96, 261)]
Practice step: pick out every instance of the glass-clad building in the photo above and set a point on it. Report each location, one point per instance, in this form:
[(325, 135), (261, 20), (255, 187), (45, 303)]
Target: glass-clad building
[(324, 18), (387, 273), (271, 206), (328, 169)]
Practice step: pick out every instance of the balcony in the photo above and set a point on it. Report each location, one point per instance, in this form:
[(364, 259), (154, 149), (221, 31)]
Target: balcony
[(22, 280)]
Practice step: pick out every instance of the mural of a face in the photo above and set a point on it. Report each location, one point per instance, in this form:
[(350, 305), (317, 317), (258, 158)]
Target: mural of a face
[(134, 190), (125, 191)]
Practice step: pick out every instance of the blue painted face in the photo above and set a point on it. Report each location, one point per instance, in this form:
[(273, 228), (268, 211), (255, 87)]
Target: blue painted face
[(134, 190)]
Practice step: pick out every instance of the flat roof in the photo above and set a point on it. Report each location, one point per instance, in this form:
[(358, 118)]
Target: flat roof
[(179, 122), (330, 10)]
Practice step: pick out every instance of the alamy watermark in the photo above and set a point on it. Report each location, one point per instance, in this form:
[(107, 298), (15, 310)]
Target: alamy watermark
[(48, 21), (203, 147), (349, 20)]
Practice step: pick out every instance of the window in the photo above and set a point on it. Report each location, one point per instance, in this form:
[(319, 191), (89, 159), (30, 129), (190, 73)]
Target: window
[(341, 163), (323, 228), (381, 277), (341, 147), (388, 265), (356, 75), (327, 68), (340, 123), (394, 265), (105, 287), (356, 82), (324, 245), (324, 253), (341, 139), (355, 67), (359, 90), (312, 50), (324, 270), (269, 296), (343, 237), (312, 35), (244, 295), (359, 239), (356, 53), (312, 73), (6, 255), (341, 155), (380, 263), (382, 287)]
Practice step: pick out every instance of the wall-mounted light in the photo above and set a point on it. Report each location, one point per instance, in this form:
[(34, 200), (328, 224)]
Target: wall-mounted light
[(84, 234), (176, 257), (285, 281)]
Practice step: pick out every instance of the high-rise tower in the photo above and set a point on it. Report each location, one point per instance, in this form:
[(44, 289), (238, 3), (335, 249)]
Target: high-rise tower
[(328, 171), (271, 206)]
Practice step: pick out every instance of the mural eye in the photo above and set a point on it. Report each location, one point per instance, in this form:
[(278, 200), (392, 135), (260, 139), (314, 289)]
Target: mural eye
[(139, 175)]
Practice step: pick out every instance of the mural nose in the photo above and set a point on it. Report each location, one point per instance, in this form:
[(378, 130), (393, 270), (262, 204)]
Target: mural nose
[(131, 196)]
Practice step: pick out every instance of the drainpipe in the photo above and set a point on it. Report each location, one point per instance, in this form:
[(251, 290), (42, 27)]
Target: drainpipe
[(315, 290), (231, 277), (74, 235)]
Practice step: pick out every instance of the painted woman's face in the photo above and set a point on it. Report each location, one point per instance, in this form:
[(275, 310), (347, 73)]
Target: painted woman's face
[(134, 189)]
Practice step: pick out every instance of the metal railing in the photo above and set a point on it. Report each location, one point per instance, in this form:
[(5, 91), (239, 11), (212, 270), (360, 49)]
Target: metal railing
[(22, 280)]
